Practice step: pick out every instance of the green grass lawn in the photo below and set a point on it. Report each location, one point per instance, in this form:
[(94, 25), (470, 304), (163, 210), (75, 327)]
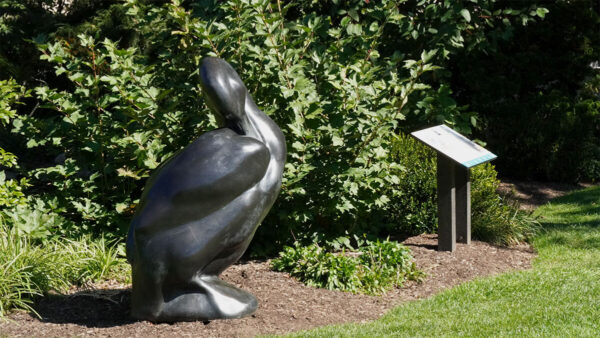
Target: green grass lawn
[(560, 296)]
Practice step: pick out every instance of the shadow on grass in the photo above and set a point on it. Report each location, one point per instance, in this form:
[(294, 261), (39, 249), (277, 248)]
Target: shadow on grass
[(582, 236), (585, 197), (93, 308), (572, 214), (574, 220)]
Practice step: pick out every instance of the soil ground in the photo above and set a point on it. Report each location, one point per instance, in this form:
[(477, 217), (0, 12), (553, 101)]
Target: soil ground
[(286, 305)]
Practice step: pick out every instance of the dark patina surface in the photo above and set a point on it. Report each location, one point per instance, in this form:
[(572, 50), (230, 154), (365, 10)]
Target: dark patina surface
[(200, 209)]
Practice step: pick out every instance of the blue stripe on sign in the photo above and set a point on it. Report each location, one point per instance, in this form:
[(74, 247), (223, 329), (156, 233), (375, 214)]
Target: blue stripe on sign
[(479, 160)]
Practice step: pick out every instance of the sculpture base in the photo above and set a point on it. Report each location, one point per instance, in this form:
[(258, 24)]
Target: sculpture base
[(209, 298)]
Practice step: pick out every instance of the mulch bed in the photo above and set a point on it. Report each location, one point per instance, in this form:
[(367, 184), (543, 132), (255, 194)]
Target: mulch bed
[(286, 305)]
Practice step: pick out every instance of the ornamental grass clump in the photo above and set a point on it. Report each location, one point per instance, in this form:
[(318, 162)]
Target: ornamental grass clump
[(30, 267), (373, 268)]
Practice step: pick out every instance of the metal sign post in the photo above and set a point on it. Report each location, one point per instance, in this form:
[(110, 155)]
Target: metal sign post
[(455, 156)]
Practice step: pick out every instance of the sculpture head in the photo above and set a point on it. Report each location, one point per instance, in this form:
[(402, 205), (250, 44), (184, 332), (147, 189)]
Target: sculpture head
[(225, 93)]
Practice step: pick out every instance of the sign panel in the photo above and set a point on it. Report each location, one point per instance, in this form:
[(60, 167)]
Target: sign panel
[(452, 144)]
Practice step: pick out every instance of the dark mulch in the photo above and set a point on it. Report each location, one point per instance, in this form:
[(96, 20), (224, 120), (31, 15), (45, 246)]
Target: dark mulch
[(285, 304)]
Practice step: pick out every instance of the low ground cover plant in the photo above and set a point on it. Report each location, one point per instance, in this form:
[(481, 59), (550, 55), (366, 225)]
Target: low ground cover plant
[(372, 267)]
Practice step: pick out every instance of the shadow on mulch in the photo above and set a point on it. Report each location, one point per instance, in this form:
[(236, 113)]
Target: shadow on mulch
[(101, 308)]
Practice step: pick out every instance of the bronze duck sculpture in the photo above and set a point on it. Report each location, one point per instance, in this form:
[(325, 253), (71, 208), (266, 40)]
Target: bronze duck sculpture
[(200, 209)]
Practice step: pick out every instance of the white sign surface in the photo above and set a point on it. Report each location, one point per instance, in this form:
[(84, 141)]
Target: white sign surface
[(454, 145)]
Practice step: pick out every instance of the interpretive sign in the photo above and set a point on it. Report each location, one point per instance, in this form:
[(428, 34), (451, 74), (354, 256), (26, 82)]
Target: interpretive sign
[(456, 154), (455, 146)]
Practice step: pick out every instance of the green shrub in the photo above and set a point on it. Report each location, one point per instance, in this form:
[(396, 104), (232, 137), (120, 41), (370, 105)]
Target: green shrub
[(125, 116), (340, 78), (372, 268), (25, 20), (413, 205), (35, 220), (11, 190)]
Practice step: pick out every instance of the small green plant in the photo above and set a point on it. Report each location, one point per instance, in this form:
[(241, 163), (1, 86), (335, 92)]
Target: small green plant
[(99, 259), (373, 268), (36, 220), (29, 269)]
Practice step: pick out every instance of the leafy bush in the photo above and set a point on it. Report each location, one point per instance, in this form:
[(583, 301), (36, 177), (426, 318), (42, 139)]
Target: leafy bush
[(413, 206), (107, 143), (29, 269), (11, 190), (124, 117), (373, 268), (340, 78), (23, 21), (35, 220)]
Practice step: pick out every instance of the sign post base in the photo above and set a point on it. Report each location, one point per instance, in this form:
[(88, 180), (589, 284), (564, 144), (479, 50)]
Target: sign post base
[(446, 190), (462, 179), (454, 204), (455, 156)]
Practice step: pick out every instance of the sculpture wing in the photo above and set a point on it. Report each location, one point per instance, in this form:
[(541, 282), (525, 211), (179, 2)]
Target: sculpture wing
[(205, 176)]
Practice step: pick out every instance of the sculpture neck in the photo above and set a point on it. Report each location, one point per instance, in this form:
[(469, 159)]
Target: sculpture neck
[(264, 129)]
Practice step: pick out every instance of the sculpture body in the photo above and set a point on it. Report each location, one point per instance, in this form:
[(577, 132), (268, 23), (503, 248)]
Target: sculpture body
[(200, 209)]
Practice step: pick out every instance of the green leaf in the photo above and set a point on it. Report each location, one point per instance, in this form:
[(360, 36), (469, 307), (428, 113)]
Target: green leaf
[(354, 29), (427, 55), (465, 14), (541, 12), (337, 141), (120, 207), (374, 26), (31, 143)]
